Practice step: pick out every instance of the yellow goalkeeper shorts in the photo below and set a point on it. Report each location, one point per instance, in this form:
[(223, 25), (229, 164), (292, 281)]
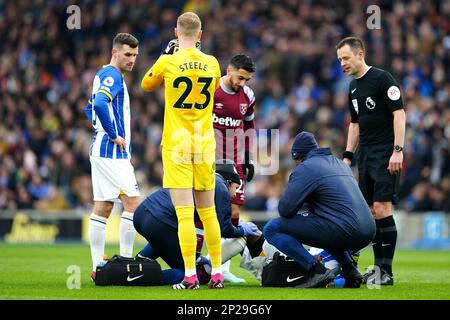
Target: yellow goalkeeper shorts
[(187, 170)]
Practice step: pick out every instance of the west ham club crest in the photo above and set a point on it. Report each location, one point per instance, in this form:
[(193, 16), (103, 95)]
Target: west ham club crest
[(243, 107)]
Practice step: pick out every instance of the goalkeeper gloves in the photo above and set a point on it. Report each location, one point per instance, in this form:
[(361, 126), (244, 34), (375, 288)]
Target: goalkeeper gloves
[(173, 46), (249, 167), (198, 45)]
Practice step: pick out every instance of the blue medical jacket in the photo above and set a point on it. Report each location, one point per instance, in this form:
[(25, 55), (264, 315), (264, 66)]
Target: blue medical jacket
[(325, 186)]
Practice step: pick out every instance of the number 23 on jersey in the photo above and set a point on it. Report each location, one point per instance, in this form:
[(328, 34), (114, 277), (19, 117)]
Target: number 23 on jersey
[(188, 85)]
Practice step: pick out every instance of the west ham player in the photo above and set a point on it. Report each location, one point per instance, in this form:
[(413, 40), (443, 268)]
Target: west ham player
[(112, 172), (233, 117)]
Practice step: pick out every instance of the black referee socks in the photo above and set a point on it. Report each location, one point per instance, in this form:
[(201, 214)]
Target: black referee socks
[(376, 246), (388, 231)]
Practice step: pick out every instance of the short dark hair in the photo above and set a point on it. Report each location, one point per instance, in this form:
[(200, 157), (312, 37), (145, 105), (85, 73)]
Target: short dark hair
[(125, 38), (354, 43), (242, 61)]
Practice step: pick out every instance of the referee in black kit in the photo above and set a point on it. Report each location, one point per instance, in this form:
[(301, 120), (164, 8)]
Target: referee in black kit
[(378, 123)]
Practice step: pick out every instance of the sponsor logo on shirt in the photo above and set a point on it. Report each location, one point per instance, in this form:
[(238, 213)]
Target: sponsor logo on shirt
[(228, 121)]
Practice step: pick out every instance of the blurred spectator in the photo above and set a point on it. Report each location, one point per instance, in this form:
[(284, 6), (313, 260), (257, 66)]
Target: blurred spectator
[(46, 74), (419, 199), (38, 188)]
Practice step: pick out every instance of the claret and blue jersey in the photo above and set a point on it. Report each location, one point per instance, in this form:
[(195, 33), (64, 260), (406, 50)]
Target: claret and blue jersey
[(108, 109)]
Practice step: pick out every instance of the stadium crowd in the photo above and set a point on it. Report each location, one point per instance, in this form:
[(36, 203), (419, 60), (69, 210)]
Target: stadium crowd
[(46, 73)]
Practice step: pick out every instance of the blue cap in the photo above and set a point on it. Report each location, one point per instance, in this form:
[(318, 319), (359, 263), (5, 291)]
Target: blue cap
[(304, 142)]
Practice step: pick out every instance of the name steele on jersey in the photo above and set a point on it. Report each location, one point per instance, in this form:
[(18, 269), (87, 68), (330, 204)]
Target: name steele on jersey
[(228, 121), (193, 65)]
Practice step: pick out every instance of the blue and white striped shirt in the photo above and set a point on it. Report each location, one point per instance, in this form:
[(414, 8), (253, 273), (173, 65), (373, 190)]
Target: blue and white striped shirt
[(109, 82)]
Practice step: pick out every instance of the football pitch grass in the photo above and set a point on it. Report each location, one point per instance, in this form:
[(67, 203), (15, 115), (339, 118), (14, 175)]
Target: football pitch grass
[(40, 272)]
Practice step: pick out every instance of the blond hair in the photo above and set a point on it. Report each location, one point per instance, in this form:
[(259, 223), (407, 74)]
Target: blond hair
[(189, 24)]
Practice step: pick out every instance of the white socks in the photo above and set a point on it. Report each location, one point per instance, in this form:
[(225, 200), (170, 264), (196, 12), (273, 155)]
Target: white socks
[(127, 234), (97, 235), (230, 248), (226, 266)]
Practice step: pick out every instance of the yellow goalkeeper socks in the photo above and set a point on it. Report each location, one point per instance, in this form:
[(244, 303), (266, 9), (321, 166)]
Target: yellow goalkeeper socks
[(187, 237), (212, 236)]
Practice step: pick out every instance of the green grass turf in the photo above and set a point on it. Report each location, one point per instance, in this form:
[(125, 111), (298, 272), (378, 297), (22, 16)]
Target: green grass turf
[(39, 272)]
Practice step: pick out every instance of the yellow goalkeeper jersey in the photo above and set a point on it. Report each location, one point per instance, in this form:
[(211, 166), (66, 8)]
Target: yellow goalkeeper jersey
[(190, 80)]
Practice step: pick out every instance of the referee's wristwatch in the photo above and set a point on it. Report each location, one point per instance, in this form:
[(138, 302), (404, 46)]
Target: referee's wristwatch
[(398, 148)]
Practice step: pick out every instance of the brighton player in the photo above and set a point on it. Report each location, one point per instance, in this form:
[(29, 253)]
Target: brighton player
[(255, 260), (190, 78), (113, 176), (234, 119)]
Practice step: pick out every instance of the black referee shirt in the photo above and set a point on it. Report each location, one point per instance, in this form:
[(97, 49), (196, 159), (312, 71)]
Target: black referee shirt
[(372, 99)]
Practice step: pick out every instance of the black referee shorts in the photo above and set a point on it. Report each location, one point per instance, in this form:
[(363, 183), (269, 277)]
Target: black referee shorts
[(375, 181)]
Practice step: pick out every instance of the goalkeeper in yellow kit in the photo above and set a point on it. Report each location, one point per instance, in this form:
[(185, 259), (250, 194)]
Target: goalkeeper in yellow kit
[(188, 146)]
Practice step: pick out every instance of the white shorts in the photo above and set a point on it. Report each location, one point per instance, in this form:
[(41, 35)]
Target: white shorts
[(113, 177)]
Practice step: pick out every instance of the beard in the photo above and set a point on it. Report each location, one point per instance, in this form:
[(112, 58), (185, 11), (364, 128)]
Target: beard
[(235, 87)]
